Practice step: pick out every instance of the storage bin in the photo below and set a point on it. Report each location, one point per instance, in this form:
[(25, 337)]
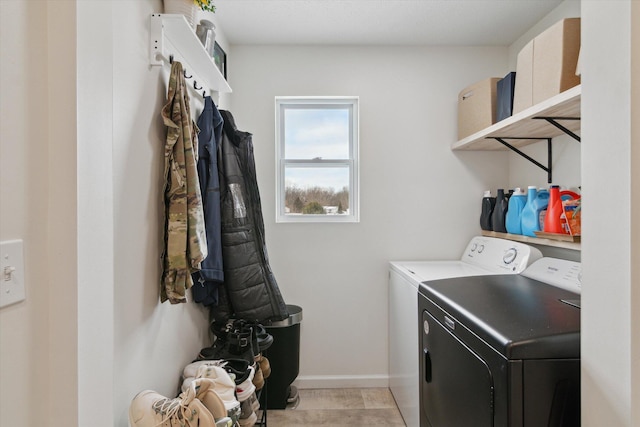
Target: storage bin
[(477, 107), (546, 66), (504, 96), (523, 89)]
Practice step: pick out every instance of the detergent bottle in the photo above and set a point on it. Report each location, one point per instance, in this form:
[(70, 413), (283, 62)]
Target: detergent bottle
[(530, 217), (516, 203), (488, 202), (569, 195), (552, 220), (500, 212), (542, 201)]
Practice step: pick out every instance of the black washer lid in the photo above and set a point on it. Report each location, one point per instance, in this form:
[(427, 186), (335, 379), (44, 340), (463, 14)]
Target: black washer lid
[(521, 318)]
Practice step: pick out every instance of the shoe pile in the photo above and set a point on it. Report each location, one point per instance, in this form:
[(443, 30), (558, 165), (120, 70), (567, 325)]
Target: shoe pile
[(197, 406), (225, 386), (219, 388), (238, 350)]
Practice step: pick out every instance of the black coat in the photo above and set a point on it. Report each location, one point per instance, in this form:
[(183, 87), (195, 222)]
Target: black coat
[(250, 290)]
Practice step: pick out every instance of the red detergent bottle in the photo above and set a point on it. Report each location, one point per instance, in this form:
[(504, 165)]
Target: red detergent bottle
[(553, 220)]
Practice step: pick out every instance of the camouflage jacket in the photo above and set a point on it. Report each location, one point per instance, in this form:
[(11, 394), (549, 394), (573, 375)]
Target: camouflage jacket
[(185, 244)]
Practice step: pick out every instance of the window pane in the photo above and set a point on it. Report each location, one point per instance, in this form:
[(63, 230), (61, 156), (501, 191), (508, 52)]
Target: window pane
[(317, 158), (316, 190), (311, 133)]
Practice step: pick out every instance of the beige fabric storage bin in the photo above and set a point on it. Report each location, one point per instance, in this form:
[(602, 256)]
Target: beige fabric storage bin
[(546, 66), (477, 107)]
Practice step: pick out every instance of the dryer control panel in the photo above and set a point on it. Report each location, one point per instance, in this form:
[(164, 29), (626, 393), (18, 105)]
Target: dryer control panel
[(557, 272), (499, 255)]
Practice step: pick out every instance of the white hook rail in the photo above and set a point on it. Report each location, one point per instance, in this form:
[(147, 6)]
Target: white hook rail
[(172, 36)]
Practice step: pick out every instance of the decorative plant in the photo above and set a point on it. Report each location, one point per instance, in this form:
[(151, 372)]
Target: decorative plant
[(206, 5)]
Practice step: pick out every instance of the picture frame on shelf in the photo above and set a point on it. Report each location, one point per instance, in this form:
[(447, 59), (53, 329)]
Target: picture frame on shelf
[(220, 59)]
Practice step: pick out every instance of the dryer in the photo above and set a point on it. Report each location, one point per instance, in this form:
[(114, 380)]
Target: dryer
[(502, 350), (482, 256)]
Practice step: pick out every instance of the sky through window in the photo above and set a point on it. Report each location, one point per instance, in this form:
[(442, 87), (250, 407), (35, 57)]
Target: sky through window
[(317, 134)]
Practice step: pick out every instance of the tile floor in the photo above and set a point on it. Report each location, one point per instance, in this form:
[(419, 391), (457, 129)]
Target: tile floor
[(339, 407)]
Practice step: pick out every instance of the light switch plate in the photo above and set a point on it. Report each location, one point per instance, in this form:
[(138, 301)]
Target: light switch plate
[(12, 289)]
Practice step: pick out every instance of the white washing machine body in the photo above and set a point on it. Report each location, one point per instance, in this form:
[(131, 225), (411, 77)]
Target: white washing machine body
[(482, 256)]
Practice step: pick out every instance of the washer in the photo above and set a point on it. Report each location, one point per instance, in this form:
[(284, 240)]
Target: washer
[(502, 350), (482, 256)]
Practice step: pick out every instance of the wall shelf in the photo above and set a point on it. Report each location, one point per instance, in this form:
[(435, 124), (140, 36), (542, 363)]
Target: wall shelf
[(558, 115), (534, 240), (530, 125), (172, 36)]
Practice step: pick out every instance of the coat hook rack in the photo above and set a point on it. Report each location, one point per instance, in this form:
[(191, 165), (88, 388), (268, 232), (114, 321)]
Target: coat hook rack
[(171, 35), (184, 73)]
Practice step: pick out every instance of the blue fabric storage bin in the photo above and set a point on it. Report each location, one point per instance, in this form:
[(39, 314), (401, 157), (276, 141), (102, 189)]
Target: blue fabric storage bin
[(504, 96)]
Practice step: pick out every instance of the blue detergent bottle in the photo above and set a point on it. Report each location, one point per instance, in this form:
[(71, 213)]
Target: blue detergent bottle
[(516, 203), (530, 216)]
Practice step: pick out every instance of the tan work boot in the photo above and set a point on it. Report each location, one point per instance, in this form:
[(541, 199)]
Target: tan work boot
[(203, 389), (225, 387), (151, 409)]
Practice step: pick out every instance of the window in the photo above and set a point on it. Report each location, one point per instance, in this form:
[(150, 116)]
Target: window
[(317, 159)]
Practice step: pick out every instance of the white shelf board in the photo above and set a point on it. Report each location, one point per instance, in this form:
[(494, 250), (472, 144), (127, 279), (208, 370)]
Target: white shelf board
[(523, 124), (171, 35)]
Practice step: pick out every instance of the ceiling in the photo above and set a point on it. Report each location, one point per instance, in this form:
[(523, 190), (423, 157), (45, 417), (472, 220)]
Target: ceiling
[(379, 22)]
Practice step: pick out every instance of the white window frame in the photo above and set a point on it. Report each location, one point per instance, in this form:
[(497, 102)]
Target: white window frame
[(284, 102)]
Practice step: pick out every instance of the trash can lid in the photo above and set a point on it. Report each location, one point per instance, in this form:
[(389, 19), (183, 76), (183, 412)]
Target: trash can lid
[(295, 317)]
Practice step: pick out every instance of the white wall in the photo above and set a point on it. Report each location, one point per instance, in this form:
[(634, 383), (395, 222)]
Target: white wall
[(24, 167), (38, 336), (610, 356), (95, 212), (81, 142), (418, 198), (635, 208), (62, 212), (152, 341)]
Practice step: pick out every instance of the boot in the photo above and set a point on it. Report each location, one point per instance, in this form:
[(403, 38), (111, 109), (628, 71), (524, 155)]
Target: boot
[(241, 345), (203, 389), (260, 338), (225, 387), (151, 409), (265, 366), (237, 344)]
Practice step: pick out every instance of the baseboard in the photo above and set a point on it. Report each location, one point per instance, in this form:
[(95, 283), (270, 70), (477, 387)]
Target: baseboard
[(341, 381)]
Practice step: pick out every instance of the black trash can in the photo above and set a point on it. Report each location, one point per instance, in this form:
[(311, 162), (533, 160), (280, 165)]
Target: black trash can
[(284, 358)]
